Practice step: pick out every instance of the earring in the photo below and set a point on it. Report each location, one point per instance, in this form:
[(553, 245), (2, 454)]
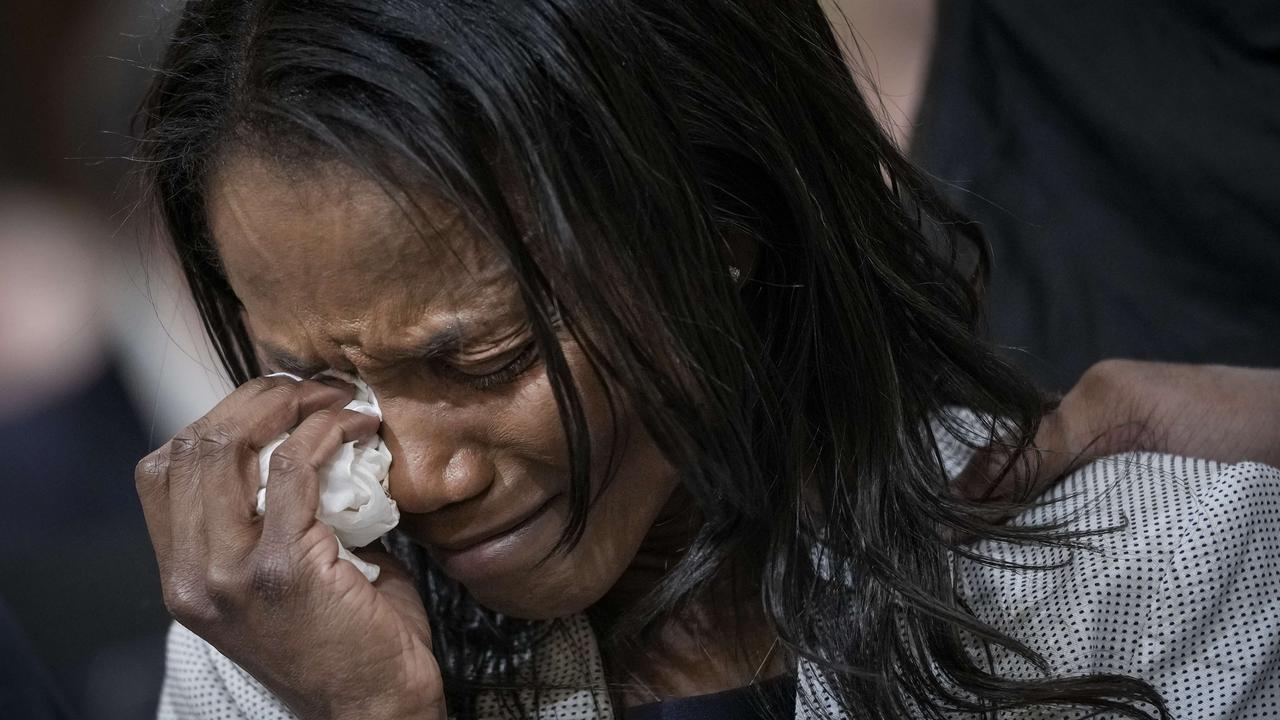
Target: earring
[(734, 273)]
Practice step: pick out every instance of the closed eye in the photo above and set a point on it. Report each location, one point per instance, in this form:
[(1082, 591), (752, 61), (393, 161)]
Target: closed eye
[(523, 360)]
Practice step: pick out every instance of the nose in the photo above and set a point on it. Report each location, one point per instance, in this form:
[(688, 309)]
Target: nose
[(434, 462)]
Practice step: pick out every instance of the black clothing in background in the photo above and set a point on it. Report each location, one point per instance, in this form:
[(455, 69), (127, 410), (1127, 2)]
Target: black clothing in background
[(25, 689), (77, 570), (1123, 159)]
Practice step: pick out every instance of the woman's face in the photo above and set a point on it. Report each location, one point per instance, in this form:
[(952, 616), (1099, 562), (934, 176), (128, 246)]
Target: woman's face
[(332, 274)]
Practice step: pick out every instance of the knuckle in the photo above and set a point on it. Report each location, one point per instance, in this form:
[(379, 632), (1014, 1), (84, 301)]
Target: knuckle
[(219, 439), (1103, 378), (204, 438), (285, 394), (185, 446), (188, 603), (285, 462), (1107, 411), (355, 416), (325, 416), (149, 470), (272, 576), (260, 384), (332, 414), (223, 585)]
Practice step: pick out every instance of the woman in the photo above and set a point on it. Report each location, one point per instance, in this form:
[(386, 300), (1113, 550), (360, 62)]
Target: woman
[(677, 360)]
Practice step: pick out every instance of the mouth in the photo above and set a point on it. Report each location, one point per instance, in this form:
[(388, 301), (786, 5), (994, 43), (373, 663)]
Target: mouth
[(498, 551)]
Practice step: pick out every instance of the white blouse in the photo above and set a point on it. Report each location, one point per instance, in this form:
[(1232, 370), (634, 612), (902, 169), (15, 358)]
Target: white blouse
[(1184, 593)]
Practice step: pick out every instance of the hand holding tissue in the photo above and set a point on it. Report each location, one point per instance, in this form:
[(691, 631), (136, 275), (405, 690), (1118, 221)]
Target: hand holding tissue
[(354, 498)]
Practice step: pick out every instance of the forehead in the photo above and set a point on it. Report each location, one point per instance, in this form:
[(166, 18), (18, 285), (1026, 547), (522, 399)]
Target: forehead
[(328, 263)]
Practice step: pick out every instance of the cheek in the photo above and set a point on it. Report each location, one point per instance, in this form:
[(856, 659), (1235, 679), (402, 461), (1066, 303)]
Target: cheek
[(529, 429), (625, 508), (617, 525), (623, 512)]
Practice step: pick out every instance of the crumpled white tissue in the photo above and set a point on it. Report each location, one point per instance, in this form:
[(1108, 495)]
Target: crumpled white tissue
[(353, 484)]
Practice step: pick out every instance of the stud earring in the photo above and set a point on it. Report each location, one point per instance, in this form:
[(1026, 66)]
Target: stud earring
[(734, 273)]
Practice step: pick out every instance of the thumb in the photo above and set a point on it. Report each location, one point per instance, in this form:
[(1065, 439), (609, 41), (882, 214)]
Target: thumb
[(1003, 473)]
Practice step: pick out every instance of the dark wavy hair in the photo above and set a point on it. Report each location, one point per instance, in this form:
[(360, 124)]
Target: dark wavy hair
[(614, 150)]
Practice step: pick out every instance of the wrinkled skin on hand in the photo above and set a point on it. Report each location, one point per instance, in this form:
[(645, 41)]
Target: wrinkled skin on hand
[(1216, 412), (270, 593)]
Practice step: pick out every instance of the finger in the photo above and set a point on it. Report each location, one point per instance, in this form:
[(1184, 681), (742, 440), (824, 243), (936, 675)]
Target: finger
[(250, 391), (150, 478), (230, 526), (230, 504), (271, 414), (279, 408), (293, 487), (211, 459), (253, 413), (228, 499), (1004, 473)]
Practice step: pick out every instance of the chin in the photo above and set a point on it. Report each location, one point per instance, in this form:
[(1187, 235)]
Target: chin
[(546, 593), (521, 574)]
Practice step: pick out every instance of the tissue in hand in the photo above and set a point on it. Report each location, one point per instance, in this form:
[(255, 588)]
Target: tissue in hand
[(353, 483)]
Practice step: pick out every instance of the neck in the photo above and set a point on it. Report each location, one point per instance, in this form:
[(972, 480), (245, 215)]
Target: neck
[(666, 543), (719, 640)]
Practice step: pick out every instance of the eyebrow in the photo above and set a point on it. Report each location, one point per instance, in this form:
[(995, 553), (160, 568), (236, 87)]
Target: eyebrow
[(445, 341)]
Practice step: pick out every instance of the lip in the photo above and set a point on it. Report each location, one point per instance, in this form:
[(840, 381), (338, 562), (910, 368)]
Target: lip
[(490, 554), (491, 535)]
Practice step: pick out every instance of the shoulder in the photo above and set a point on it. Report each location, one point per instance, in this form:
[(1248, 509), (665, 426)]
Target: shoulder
[(1179, 585), (200, 683)]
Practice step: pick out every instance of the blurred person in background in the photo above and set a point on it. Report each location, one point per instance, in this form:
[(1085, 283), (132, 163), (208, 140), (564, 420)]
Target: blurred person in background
[(83, 360), (1123, 159)]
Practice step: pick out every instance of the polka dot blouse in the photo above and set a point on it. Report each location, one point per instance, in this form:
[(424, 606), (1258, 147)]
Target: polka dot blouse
[(1184, 592)]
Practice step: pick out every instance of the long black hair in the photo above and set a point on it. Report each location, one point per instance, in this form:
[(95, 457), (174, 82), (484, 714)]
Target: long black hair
[(614, 151)]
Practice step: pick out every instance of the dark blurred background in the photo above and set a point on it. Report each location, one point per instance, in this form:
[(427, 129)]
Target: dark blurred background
[(98, 361), (1123, 158)]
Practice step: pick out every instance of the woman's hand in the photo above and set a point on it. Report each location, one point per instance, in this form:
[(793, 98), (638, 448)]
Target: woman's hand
[(1216, 412), (270, 593)]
